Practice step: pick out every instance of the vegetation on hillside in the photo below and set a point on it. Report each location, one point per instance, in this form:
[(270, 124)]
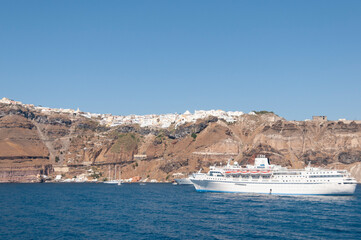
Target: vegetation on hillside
[(126, 142), (194, 136), (262, 112)]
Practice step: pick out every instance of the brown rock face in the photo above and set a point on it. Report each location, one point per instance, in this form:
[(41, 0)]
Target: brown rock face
[(22, 152), (19, 140), (33, 143)]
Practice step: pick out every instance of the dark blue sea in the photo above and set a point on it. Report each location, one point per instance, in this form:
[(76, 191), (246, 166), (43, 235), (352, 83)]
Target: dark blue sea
[(165, 211)]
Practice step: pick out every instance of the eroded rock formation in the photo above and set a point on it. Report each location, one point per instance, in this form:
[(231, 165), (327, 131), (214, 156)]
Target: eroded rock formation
[(33, 144)]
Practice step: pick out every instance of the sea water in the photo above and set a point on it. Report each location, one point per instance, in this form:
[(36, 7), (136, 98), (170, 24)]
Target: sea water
[(165, 211)]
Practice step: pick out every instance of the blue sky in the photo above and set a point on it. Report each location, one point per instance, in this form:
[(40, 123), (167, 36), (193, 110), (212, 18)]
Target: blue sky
[(296, 58)]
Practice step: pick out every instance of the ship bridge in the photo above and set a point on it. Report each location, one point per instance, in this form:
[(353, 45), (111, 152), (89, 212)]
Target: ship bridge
[(261, 162)]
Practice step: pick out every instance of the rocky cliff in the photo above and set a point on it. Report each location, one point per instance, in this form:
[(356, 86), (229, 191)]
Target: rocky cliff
[(33, 144)]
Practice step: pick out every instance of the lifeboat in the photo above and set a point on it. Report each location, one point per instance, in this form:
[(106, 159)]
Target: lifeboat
[(266, 172), (255, 172)]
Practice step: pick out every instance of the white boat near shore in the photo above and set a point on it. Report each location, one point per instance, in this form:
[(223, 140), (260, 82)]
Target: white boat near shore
[(187, 181), (183, 181), (115, 180), (112, 182), (264, 178)]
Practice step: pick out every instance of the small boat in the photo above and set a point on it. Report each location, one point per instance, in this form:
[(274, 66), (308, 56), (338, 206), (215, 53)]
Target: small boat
[(183, 181), (112, 182), (115, 181)]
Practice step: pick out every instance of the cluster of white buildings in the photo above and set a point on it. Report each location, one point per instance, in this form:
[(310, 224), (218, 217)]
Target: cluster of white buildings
[(12, 102), (38, 108), (158, 121), (166, 120)]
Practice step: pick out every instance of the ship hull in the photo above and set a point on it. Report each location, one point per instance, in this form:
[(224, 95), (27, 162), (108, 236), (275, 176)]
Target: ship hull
[(274, 188)]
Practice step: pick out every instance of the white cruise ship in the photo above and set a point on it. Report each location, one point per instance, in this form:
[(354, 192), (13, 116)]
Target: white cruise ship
[(262, 177)]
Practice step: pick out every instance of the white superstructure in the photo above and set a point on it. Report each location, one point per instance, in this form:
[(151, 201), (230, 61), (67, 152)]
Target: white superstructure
[(262, 177)]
